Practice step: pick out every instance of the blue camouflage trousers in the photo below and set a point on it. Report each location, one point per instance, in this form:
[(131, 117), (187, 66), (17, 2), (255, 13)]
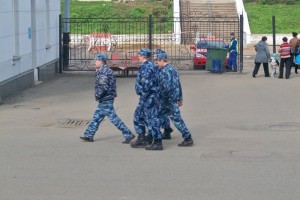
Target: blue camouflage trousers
[(171, 109), (146, 116), (103, 109), (165, 123)]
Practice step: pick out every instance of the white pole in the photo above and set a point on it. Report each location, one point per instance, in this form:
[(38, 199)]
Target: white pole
[(67, 15), (177, 28)]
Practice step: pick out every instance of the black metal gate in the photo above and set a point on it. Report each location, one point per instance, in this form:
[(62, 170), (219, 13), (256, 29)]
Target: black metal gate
[(120, 39)]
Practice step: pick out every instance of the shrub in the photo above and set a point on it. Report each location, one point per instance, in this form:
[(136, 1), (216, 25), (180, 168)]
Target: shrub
[(137, 12), (288, 2)]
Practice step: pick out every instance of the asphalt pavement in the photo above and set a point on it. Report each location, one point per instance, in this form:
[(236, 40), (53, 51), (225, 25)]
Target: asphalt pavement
[(246, 133)]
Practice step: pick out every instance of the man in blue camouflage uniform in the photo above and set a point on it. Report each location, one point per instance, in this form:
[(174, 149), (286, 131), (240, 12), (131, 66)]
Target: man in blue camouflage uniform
[(165, 122), (170, 96), (146, 113), (105, 93)]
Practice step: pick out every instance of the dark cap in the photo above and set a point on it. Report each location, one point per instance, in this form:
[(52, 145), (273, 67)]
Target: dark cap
[(158, 51), (145, 52), (101, 57), (161, 56)]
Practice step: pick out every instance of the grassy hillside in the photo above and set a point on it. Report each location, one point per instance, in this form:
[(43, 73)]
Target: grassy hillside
[(119, 10), (260, 17), (117, 15)]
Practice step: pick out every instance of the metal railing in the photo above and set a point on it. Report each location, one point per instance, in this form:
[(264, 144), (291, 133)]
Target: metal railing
[(120, 39)]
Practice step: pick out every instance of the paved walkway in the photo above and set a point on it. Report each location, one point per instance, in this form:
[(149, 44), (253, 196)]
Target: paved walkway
[(246, 133)]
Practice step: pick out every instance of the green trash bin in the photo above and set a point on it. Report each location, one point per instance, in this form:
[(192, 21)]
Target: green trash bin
[(214, 54)]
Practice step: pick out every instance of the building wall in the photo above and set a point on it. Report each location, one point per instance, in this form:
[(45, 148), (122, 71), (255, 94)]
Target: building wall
[(28, 42)]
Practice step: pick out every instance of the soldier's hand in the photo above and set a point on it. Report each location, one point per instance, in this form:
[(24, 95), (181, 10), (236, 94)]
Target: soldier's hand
[(180, 103)]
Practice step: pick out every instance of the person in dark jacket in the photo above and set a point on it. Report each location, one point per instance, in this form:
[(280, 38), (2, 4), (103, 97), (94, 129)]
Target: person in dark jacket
[(105, 93), (262, 56)]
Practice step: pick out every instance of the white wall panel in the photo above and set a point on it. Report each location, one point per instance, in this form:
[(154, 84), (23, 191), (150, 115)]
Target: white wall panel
[(54, 5), (24, 22), (52, 53), (15, 68), (6, 24), (25, 44), (54, 19), (24, 5), (26, 63), (6, 49), (41, 57), (6, 70), (41, 40), (53, 36), (46, 56), (10, 68), (40, 20), (6, 6), (41, 5)]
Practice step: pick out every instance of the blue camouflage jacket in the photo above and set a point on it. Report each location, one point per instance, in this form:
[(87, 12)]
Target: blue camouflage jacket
[(146, 85), (105, 84), (169, 84)]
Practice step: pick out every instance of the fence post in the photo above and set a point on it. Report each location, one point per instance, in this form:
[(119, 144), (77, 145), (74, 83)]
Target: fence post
[(241, 43), (66, 34), (66, 41), (150, 32), (274, 36)]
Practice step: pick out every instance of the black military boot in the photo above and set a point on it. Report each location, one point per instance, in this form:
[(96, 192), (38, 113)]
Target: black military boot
[(140, 142), (167, 134), (149, 139), (87, 139), (127, 140), (188, 142), (156, 145)]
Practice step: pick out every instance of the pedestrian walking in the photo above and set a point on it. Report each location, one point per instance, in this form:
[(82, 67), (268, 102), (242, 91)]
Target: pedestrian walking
[(170, 96), (262, 56), (285, 58), (165, 122), (146, 112), (105, 93)]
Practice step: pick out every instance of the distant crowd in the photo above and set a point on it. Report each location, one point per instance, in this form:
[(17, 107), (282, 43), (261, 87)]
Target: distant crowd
[(289, 54)]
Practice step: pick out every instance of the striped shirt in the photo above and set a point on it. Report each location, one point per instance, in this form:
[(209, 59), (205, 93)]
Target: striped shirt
[(285, 50)]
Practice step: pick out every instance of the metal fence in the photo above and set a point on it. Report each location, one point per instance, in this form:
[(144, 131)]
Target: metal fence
[(120, 39)]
